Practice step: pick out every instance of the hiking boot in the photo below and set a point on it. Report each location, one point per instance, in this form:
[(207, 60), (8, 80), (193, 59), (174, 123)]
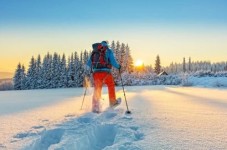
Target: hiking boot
[(117, 103)]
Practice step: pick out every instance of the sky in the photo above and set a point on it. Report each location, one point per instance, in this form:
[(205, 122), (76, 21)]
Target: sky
[(170, 29)]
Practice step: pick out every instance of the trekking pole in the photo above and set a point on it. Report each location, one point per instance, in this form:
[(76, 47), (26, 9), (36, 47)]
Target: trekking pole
[(128, 111), (83, 98), (86, 86)]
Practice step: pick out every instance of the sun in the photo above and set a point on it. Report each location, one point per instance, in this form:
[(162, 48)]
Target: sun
[(139, 63)]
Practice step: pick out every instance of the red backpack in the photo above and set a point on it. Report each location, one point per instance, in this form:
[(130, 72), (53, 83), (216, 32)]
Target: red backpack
[(98, 57)]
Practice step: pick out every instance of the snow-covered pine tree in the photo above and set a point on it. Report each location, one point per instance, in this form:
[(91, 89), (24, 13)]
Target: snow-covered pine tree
[(225, 67), (71, 72), (55, 69), (84, 56), (113, 47), (189, 64), (46, 72), (157, 65), (63, 73), (123, 59), (38, 73), (129, 59), (79, 70), (31, 75), (184, 65), (117, 51), (85, 59), (23, 78), (17, 79)]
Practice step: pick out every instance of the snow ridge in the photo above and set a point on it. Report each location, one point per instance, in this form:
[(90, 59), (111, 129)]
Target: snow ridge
[(112, 129)]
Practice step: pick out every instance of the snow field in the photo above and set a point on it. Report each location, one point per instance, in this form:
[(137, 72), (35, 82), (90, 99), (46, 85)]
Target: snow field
[(25, 114), (182, 118), (163, 117)]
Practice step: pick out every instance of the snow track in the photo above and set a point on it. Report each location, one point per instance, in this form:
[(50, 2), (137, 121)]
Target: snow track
[(110, 130)]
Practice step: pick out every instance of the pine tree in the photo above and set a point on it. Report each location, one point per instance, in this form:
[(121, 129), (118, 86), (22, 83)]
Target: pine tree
[(81, 71), (123, 59), (115, 49), (225, 68), (85, 58), (18, 78), (157, 65), (184, 65), (71, 72), (46, 72), (113, 46), (189, 64), (23, 78), (78, 70), (129, 60), (176, 68), (63, 73), (38, 73), (55, 69), (172, 67), (117, 52), (31, 75)]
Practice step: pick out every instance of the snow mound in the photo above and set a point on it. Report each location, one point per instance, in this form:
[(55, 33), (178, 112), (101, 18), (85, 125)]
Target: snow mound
[(109, 130)]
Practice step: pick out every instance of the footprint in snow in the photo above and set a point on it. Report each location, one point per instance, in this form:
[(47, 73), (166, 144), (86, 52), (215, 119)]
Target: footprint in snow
[(48, 138), (23, 135), (45, 120), (135, 128), (37, 127), (139, 136), (2, 146), (85, 120), (70, 115), (109, 115)]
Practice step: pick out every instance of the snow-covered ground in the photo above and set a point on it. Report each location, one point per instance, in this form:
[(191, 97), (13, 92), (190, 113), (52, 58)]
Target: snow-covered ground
[(163, 117)]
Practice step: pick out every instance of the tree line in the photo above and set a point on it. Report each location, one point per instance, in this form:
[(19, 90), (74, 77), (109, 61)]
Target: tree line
[(54, 71), (186, 67), (194, 66)]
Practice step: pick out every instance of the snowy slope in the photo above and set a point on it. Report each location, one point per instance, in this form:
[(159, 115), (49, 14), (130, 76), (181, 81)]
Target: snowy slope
[(163, 117)]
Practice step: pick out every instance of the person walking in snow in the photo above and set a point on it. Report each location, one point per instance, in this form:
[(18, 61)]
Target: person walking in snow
[(101, 61)]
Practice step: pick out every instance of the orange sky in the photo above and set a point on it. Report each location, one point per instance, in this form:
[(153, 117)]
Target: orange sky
[(172, 44)]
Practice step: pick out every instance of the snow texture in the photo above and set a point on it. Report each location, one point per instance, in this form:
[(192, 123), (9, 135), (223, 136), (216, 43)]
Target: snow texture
[(163, 117)]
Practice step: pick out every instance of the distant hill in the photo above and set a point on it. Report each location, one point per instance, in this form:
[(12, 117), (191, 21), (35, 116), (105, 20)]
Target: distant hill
[(6, 75)]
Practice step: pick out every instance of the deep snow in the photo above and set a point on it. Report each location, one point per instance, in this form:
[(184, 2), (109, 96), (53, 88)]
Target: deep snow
[(163, 117)]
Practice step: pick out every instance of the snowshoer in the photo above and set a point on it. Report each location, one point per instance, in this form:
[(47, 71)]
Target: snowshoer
[(101, 61)]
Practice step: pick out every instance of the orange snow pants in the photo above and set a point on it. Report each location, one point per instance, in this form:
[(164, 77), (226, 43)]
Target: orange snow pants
[(101, 78)]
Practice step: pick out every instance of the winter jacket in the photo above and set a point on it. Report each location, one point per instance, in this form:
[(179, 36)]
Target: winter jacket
[(112, 61)]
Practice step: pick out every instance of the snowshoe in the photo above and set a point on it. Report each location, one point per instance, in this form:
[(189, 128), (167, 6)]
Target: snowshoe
[(96, 107), (118, 102)]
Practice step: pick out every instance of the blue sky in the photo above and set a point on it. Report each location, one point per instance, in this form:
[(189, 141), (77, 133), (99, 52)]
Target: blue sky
[(71, 12), (173, 29)]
